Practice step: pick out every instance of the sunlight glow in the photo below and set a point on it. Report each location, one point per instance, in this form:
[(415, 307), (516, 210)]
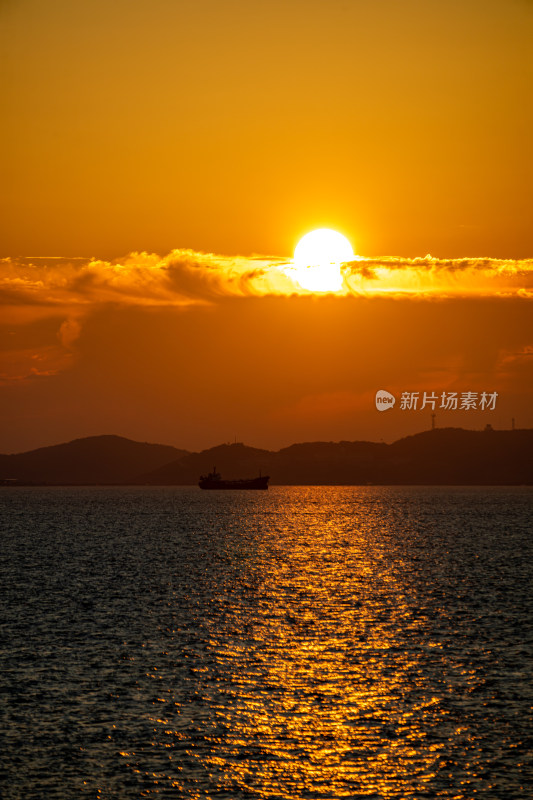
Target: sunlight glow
[(317, 260)]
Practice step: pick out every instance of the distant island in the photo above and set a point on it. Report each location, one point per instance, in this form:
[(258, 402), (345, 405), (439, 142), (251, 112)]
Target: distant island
[(444, 456)]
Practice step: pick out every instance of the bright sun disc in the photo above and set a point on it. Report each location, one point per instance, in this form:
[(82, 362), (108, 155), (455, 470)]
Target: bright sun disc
[(317, 260)]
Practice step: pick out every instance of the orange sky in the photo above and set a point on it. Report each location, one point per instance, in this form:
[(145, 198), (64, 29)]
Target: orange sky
[(179, 129)]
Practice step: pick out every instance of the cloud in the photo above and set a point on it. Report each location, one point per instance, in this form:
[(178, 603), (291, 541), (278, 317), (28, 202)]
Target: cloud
[(69, 331), (431, 277), (181, 278), (186, 277), (32, 363), (520, 357), (67, 291)]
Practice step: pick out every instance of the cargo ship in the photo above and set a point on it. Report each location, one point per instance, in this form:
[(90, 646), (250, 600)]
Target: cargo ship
[(214, 481)]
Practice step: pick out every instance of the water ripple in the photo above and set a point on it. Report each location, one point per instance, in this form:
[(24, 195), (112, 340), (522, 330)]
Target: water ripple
[(302, 643)]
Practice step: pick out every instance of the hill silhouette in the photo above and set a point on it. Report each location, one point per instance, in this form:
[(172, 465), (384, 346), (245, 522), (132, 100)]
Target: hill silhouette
[(92, 460), (441, 456), (446, 456)]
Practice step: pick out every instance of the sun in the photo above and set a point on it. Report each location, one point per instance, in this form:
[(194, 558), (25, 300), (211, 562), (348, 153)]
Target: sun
[(317, 260)]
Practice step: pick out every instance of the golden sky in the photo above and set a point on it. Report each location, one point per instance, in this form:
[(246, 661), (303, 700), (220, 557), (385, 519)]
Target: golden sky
[(160, 160)]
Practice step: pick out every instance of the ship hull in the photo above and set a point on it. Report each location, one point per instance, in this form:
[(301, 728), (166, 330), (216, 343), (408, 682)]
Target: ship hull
[(252, 483)]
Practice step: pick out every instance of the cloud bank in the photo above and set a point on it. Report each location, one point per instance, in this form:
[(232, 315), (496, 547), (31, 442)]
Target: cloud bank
[(62, 293), (185, 277)]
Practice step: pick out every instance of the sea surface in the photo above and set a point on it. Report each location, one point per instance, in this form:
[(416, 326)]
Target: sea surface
[(305, 642)]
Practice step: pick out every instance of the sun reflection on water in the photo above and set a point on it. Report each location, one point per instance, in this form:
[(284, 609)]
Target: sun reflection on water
[(301, 643), (319, 676)]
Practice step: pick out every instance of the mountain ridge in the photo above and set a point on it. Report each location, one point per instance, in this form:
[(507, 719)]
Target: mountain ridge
[(88, 460), (444, 456)]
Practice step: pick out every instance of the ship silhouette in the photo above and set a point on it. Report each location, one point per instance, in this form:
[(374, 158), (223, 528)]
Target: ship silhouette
[(213, 480)]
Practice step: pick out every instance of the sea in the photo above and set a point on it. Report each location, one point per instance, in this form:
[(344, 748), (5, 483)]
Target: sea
[(303, 642)]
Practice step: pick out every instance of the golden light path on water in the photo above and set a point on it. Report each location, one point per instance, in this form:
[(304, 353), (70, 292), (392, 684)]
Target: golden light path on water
[(305, 642), (309, 692)]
